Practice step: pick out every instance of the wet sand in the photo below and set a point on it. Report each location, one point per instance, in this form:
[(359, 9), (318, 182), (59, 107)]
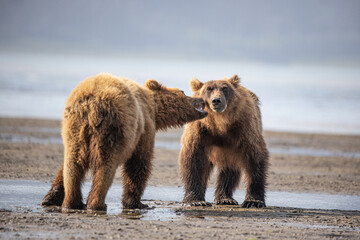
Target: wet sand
[(316, 163)]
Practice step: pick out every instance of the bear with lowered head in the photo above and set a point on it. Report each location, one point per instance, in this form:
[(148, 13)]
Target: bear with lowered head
[(110, 122), (231, 139)]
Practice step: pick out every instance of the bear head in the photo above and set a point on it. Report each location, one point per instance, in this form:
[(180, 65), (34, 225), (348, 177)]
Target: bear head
[(174, 108), (217, 94)]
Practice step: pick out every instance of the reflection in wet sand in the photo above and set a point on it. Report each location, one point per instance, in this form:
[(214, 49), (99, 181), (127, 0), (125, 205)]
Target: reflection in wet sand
[(165, 202)]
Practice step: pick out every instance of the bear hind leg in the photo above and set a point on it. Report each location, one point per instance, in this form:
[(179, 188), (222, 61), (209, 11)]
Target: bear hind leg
[(102, 179), (73, 177), (227, 182), (56, 194), (136, 172)]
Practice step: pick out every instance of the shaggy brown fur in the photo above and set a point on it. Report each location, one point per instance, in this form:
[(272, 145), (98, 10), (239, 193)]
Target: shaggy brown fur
[(108, 122), (231, 139)]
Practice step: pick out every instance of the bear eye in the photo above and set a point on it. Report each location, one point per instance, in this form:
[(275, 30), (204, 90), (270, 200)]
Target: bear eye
[(225, 88), (209, 89)]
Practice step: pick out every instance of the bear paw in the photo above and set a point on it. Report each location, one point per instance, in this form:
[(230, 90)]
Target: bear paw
[(253, 204), (197, 203), (65, 208), (134, 205), (95, 209), (226, 201), (55, 197)]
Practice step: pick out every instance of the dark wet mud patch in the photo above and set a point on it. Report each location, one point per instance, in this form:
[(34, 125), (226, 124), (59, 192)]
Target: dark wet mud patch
[(280, 216)]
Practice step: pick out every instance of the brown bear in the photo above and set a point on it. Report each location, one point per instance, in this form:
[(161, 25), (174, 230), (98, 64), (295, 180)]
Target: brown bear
[(231, 139), (108, 122)]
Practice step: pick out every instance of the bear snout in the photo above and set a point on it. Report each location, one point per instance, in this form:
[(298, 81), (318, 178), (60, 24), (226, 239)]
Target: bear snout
[(216, 102)]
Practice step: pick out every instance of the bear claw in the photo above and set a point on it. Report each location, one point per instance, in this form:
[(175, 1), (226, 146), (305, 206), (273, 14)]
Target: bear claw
[(253, 204), (135, 206), (226, 201), (197, 203)]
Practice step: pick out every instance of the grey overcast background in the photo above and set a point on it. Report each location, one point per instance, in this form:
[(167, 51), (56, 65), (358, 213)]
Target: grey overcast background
[(275, 31)]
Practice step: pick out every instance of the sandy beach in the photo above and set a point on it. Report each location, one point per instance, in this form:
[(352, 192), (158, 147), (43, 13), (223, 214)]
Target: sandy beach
[(31, 149)]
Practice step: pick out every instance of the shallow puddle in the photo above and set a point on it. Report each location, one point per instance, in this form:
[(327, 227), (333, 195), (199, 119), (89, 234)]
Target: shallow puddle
[(313, 152), (164, 201)]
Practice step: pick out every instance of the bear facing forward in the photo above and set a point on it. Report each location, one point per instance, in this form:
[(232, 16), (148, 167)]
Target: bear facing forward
[(231, 139), (108, 122)]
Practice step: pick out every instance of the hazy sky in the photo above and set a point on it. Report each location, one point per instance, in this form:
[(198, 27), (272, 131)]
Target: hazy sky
[(267, 31)]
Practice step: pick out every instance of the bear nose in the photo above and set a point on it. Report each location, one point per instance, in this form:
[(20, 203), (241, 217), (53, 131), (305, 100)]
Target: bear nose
[(216, 101)]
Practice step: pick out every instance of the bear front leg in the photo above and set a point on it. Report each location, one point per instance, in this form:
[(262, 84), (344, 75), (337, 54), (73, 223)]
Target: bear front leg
[(55, 196), (227, 182), (136, 172), (256, 182), (195, 170)]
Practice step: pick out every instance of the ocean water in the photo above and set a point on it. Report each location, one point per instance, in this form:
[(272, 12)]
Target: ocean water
[(301, 98)]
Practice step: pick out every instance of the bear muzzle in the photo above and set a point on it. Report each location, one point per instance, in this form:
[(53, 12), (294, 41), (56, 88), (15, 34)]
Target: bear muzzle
[(218, 105), (216, 101), (199, 105)]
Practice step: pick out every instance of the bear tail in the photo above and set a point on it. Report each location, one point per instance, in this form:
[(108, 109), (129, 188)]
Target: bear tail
[(103, 133)]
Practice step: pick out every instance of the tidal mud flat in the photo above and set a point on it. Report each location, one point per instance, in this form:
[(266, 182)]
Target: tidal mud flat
[(31, 149)]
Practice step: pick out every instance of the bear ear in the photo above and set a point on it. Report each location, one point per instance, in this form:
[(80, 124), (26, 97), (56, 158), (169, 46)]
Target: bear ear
[(235, 80), (195, 85), (153, 84)]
